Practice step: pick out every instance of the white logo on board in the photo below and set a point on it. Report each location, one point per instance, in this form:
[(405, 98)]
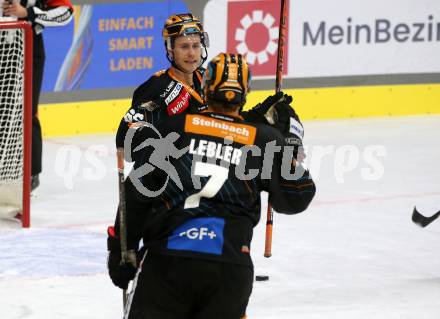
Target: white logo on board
[(246, 22)]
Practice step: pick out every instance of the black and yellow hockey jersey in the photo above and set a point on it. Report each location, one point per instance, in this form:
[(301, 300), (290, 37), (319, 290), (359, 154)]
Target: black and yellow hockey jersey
[(209, 170), (162, 94)]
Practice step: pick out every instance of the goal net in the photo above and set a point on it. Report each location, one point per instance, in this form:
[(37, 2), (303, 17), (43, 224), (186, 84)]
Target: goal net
[(15, 119)]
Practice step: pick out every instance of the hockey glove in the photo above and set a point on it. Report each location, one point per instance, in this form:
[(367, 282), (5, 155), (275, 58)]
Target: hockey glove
[(120, 272), (289, 124), (260, 112)]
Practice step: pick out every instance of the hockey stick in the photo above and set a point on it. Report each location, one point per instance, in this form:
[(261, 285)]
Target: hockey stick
[(127, 256), (421, 220), (278, 82)]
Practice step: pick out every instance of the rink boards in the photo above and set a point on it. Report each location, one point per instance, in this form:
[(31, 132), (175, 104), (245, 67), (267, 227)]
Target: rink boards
[(62, 119)]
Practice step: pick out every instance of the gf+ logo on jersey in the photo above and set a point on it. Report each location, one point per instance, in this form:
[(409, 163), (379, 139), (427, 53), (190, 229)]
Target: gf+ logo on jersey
[(200, 234)]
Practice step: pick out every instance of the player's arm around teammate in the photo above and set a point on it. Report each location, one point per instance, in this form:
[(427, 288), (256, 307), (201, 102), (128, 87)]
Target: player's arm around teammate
[(198, 236)]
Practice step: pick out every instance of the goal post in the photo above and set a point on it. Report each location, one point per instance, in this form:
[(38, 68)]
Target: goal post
[(15, 119)]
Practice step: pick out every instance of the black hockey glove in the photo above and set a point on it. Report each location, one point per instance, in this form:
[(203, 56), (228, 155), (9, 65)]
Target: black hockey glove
[(120, 273), (259, 113), (288, 123)]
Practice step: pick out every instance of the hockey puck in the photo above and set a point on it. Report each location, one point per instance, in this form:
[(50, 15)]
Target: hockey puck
[(261, 278)]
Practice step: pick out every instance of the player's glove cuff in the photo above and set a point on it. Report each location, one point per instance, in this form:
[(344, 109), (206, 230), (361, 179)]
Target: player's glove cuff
[(120, 273), (259, 113)]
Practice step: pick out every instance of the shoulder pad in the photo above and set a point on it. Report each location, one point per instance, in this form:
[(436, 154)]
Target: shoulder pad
[(159, 73), (199, 73), (201, 70)]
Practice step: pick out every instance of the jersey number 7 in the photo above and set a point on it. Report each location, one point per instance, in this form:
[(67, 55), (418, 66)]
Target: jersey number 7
[(218, 177)]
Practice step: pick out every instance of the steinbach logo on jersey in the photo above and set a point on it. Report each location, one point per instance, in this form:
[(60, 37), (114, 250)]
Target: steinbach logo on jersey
[(239, 132), (203, 235), (253, 28)]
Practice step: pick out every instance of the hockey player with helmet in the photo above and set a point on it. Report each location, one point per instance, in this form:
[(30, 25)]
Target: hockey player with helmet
[(177, 89), (167, 93), (198, 232)]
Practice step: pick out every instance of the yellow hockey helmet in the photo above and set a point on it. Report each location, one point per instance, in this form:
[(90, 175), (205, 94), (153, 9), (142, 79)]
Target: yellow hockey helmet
[(227, 79), (181, 25)]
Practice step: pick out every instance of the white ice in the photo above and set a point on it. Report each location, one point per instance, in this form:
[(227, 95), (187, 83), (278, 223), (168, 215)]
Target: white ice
[(354, 254)]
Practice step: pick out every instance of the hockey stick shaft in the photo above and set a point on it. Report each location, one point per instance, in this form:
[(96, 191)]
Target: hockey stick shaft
[(423, 221), (278, 83), (122, 214), (122, 209), (281, 43)]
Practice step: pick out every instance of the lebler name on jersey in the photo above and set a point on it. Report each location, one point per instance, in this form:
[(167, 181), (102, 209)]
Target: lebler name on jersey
[(215, 150)]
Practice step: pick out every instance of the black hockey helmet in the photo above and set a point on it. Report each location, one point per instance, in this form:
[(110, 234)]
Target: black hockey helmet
[(181, 25), (227, 79)]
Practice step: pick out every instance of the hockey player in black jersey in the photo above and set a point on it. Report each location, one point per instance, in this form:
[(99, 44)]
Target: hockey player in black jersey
[(167, 93), (177, 89), (197, 237)]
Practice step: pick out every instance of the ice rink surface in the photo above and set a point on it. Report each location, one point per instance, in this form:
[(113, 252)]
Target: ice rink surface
[(354, 254)]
